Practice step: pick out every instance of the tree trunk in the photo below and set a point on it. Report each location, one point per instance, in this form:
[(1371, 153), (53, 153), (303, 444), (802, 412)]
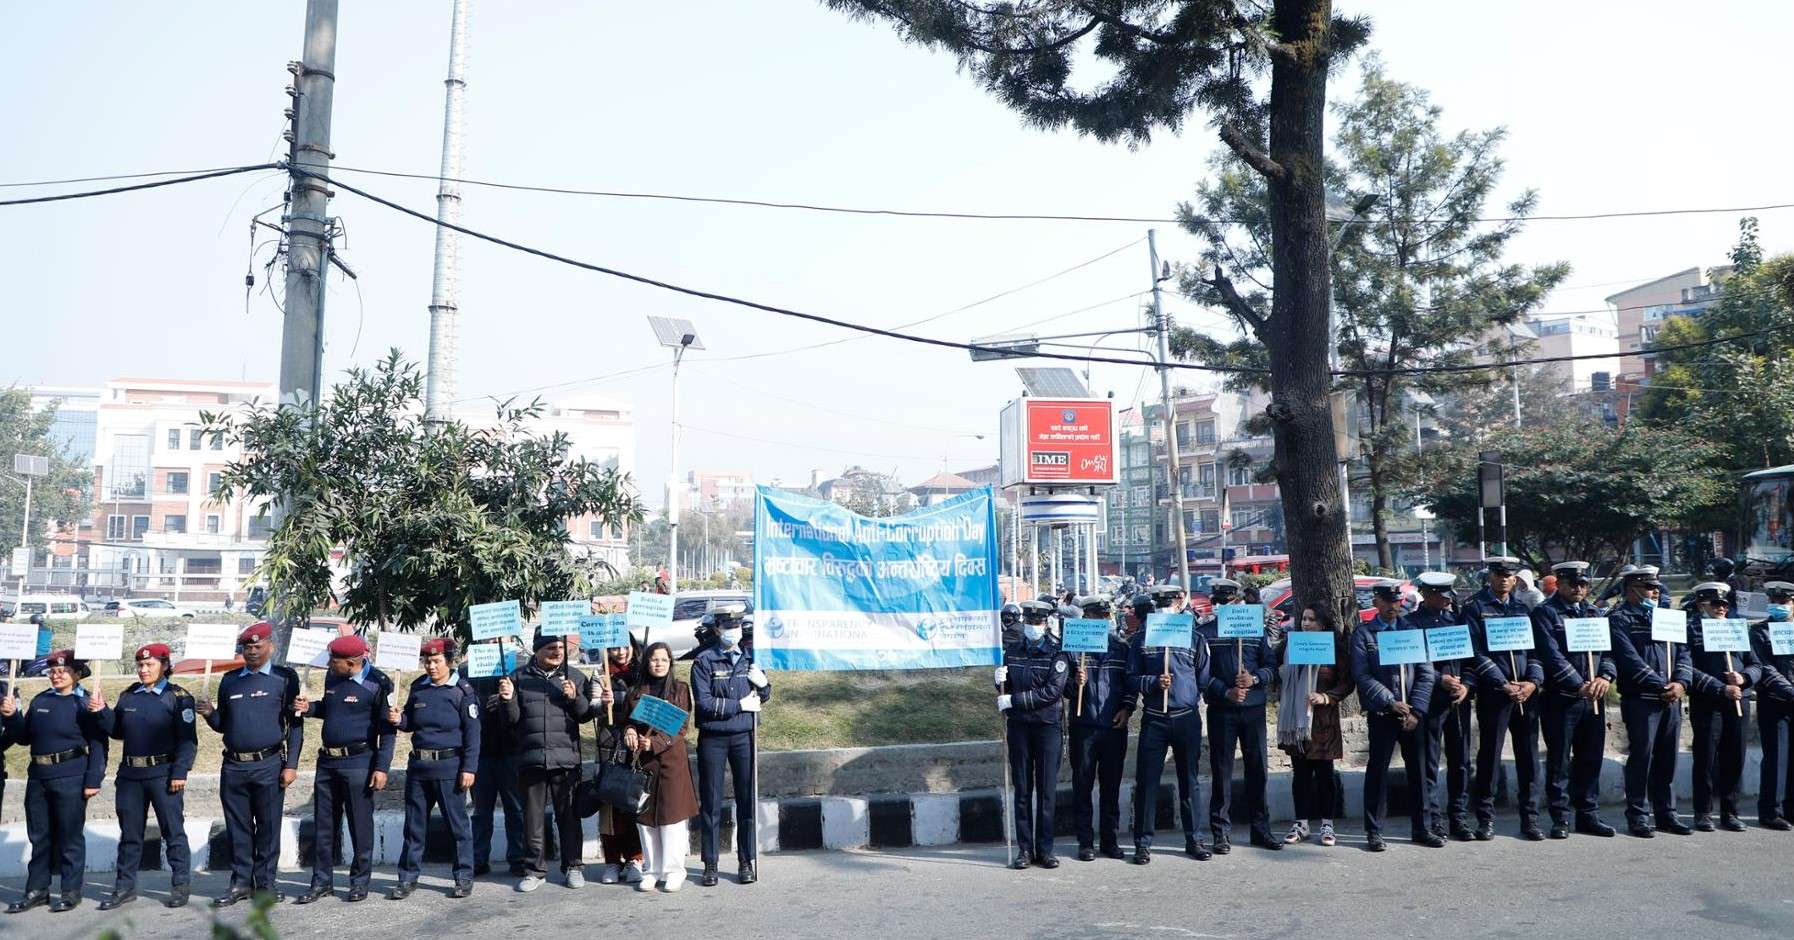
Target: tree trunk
[(1296, 332), (1379, 509)]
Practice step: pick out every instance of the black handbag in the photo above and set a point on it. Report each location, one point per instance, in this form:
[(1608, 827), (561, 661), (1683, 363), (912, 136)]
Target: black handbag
[(622, 786)]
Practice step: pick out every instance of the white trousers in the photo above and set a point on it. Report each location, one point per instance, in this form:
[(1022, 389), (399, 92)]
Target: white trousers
[(664, 848)]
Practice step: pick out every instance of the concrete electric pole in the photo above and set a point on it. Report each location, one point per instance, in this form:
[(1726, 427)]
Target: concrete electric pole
[(307, 222), (445, 313), (1163, 325)]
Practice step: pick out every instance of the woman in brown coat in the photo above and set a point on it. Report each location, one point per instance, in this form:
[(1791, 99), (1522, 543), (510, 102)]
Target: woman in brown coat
[(1308, 731), (672, 798)]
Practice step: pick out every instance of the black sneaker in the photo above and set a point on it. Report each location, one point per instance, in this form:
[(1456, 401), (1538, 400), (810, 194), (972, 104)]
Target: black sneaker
[(461, 889), (1142, 855), (1485, 831), (401, 891), (1374, 843), (1086, 854), (1429, 839), (1223, 845), (1021, 862), (1640, 830), (1461, 832)]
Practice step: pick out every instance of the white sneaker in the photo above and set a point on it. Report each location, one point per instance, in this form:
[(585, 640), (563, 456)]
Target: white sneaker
[(608, 876), (529, 883), (645, 885), (675, 881), (576, 878), (632, 873)]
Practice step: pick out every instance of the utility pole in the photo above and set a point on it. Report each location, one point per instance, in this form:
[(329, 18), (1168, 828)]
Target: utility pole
[(1163, 325), (445, 313), (308, 227)]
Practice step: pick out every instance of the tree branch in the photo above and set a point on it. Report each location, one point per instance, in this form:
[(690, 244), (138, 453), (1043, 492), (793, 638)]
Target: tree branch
[(1236, 304), (1235, 139)]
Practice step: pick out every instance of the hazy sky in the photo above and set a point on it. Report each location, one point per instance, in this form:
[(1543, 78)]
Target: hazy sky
[(1611, 106)]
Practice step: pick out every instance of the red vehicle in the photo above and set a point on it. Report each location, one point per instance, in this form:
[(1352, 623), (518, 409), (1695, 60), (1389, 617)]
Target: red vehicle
[(1278, 597)]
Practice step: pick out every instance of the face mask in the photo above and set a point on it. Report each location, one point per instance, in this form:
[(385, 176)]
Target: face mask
[(1780, 612), (731, 637), (1033, 631), (1648, 603)]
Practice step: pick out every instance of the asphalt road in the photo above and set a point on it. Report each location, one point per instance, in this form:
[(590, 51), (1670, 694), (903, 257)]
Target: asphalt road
[(1700, 885)]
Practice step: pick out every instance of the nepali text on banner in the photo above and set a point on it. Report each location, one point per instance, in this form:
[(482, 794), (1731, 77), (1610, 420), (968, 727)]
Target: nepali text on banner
[(837, 590)]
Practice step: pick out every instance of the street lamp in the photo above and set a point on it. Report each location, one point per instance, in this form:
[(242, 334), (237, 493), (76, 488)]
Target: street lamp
[(27, 466), (678, 335)]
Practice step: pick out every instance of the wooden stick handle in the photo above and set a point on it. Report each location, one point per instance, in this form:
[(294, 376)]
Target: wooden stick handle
[(1080, 708), (12, 680), (1513, 664), (1738, 703)]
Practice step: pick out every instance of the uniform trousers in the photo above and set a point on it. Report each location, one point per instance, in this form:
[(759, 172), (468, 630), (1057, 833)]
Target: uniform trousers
[(338, 792), (1242, 725), (1653, 731), (55, 823), (1386, 735), (420, 795), (495, 787), (1182, 735), (1497, 717), (1775, 732), (735, 750), (133, 800), (1097, 756), (251, 795), (1575, 740), (1718, 753), (1448, 740)]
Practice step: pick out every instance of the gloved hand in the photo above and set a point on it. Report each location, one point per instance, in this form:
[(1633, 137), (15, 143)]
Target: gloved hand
[(757, 677), (1004, 701), (750, 703), (1002, 675)]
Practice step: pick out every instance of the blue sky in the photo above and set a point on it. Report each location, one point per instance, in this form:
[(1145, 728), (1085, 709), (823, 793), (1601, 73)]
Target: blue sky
[(1662, 106)]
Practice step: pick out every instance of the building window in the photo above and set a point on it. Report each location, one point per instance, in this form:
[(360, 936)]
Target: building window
[(214, 524), (211, 565), (139, 527), (128, 477), (245, 566), (115, 528), (259, 527), (1143, 496), (1140, 534), (217, 442), (1244, 518), (177, 482), (193, 439), (1239, 474), (214, 480), (1118, 534), (174, 524), (165, 564), (1205, 432), (1211, 520), (1205, 479), (596, 528), (174, 438)]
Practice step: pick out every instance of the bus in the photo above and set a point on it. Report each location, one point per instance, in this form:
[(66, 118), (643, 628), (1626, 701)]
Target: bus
[(1765, 543)]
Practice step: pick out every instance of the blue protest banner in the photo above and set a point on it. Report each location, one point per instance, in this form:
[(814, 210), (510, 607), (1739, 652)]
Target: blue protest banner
[(1781, 638), (647, 609), (837, 590), (1444, 644), (1504, 634), (1170, 630), (1401, 647), (1730, 635), (485, 660), (1240, 621), (1080, 635), (1309, 648), (491, 621), (1669, 625), (661, 715), (1587, 635), (602, 631), (560, 618)]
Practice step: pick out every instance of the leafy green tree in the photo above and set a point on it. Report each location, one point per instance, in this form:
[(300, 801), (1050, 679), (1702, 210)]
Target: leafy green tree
[(1418, 279), (1154, 62), (432, 516), (1576, 489), (59, 497)]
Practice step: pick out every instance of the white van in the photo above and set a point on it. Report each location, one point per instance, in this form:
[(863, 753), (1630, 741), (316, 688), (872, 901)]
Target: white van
[(53, 606)]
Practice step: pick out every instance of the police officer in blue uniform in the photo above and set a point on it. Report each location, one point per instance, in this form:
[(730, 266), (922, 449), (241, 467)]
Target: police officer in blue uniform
[(354, 757), (1030, 688), (1775, 713), (728, 690), (262, 740), (1395, 699), (1506, 681), (66, 730), (1170, 683), (1099, 734), (1719, 709), (443, 715), (1239, 673), (154, 721), (1010, 621), (1653, 683), (1575, 731), (1448, 714)]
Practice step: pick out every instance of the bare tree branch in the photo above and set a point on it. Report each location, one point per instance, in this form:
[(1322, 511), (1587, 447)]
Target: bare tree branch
[(1236, 304), (1235, 139)]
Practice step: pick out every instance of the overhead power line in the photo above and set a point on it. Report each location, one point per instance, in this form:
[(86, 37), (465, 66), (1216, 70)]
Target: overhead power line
[(111, 178), (192, 178)]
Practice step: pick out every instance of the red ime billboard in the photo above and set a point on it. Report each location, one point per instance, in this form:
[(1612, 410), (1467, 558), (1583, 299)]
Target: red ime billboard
[(1063, 441)]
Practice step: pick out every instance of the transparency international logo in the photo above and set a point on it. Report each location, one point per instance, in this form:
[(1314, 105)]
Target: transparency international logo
[(775, 626), (927, 627)]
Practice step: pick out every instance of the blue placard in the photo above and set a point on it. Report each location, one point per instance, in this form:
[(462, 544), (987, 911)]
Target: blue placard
[(1309, 648), (45, 638), (647, 609), (1587, 635), (602, 631), (1170, 630), (491, 621), (486, 660), (661, 715), (1730, 635), (1444, 644), (1781, 638), (1669, 625), (1401, 647), (1081, 635), (1507, 633), (560, 618), (1240, 621)]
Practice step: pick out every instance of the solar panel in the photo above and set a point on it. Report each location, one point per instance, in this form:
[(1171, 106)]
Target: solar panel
[(670, 331), (1053, 382)]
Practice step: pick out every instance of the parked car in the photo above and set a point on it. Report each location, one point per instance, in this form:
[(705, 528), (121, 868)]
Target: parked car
[(148, 607), (53, 606), (689, 607), (1277, 596)]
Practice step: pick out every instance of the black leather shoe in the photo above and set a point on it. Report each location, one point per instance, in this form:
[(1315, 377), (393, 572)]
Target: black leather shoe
[(1142, 855), (1640, 830), (1114, 852), (461, 889), (317, 892), (708, 879), (1199, 852), (1439, 830), (231, 897), (358, 893), (1531, 833), (1430, 840), (1461, 832), (1223, 845), (1777, 823), (30, 900), (1560, 830), (178, 897), (747, 875), (481, 870), (65, 902), (1594, 827), (1703, 823), (1731, 823), (1086, 855), (1021, 862), (401, 891), (1264, 841), (118, 900), (1485, 832), (1374, 843), (1673, 826)]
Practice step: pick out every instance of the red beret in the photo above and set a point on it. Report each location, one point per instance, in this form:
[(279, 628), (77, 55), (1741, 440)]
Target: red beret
[(63, 658), (153, 651), (348, 646), (441, 644), (260, 630)]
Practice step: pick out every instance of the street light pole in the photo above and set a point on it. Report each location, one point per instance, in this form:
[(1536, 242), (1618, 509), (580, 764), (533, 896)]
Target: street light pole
[(678, 335), (1163, 326)]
